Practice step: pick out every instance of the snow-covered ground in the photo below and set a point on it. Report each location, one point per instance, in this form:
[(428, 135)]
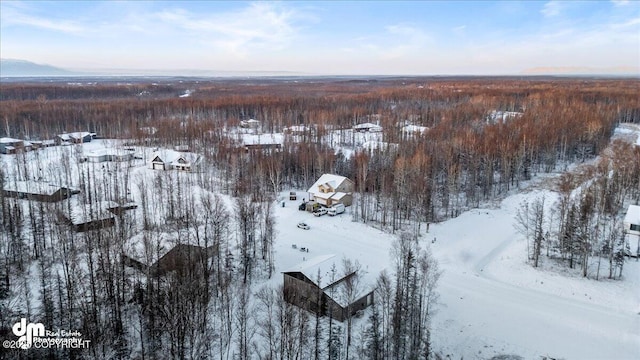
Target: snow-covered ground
[(495, 303), (492, 302)]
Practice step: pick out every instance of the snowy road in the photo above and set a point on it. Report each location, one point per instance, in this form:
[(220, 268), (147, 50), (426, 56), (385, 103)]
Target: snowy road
[(484, 315)]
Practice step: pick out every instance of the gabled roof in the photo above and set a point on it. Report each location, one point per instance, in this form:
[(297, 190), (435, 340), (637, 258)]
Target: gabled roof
[(332, 277), (174, 157), (323, 263), (180, 256), (330, 179), (74, 135)]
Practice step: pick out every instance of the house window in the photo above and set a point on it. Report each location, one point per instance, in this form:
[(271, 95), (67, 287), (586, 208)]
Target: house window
[(634, 227)]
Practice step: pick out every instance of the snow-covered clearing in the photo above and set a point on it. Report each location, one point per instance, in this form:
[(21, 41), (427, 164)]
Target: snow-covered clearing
[(495, 303)]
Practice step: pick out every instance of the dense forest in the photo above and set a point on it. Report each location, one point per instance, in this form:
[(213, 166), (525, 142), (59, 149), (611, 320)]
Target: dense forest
[(463, 159)]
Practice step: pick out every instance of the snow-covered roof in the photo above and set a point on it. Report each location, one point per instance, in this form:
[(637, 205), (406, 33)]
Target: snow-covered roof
[(263, 139), (297, 128), (327, 270), (503, 115), (74, 135), (338, 195), (249, 123), (633, 215), (370, 126), (32, 187), (330, 179), (8, 140), (325, 196), (323, 263), (108, 151), (173, 157), (84, 213), (414, 129)]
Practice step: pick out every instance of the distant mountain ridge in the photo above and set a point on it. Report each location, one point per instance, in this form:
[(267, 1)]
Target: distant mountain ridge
[(14, 67)]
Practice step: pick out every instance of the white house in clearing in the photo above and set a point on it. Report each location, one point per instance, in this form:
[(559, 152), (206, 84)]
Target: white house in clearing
[(631, 225), (632, 220), (174, 160), (332, 189), (367, 127)]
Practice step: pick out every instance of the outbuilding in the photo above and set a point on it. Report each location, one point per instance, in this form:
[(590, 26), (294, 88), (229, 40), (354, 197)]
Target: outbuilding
[(317, 286)]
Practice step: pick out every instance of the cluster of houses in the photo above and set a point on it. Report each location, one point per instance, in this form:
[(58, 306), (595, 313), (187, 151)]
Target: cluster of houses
[(79, 217), (14, 146)]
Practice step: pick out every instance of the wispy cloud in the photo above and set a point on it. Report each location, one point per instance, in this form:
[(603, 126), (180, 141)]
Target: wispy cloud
[(259, 25), (552, 8), (238, 31), (17, 13), (621, 2), (405, 40), (626, 24)]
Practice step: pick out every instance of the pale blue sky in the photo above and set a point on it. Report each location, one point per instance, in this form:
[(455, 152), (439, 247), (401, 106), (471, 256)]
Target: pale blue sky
[(337, 37)]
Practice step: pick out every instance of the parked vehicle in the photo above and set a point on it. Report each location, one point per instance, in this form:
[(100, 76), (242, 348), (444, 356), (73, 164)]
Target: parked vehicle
[(302, 206), (320, 211), (336, 209), (302, 225)]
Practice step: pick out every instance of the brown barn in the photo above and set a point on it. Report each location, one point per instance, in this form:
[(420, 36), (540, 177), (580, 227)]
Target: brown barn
[(329, 294)]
